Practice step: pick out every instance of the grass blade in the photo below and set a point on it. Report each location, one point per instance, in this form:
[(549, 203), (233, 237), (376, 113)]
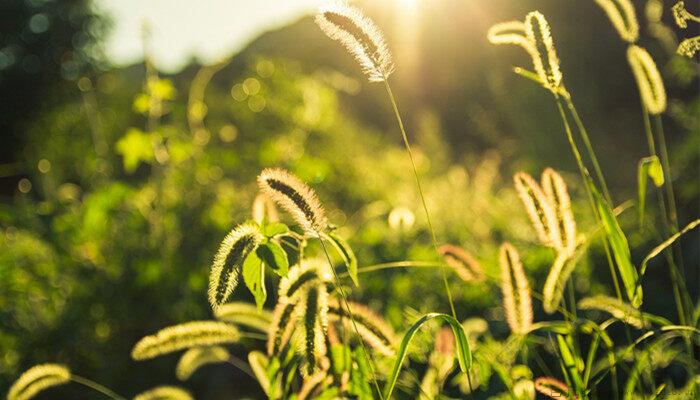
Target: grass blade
[(648, 167), (464, 355)]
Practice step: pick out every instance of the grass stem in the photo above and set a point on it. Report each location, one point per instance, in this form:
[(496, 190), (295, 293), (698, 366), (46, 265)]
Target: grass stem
[(96, 387)]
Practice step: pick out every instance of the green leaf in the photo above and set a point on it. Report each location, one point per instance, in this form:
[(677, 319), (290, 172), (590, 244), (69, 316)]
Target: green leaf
[(135, 147), (274, 229), (571, 363), (649, 167), (361, 376), (274, 257), (346, 253), (658, 249), (254, 278), (621, 251), (341, 357), (464, 355)]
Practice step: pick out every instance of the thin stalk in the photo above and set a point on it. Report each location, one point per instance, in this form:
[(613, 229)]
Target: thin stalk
[(96, 387), (589, 148), (673, 270), (587, 181), (368, 356), (241, 365), (420, 191)]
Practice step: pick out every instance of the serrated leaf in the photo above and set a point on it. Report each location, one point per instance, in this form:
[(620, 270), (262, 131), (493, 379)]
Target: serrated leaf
[(346, 254), (254, 278), (620, 249), (649, 167), (273, 256), (274, 229)]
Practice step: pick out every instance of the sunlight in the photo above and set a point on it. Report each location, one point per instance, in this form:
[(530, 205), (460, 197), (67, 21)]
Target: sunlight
[(408, 4)]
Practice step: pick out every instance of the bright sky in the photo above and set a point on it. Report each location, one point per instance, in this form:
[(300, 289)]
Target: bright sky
[(207, 29)]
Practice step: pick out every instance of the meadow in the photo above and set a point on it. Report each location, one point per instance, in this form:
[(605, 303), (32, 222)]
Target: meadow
[(253, 239)]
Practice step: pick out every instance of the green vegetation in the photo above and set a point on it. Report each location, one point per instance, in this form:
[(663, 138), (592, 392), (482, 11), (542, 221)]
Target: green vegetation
[(358, 264)]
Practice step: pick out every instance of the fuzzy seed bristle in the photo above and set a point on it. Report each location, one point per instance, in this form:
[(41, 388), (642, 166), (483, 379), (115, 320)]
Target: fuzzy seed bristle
[(688, 47), (462, 262), (282, 325), (539, 209), (549, 72), (371, 327), (623, 18), (555, 189), (228, 262), (264, 209), (184, 336), (244, 314), (312, 316), (198, 357), (516, 290), (649, 81), (559, 273), (295, 197), (614, 307), (681, 15), (37, 379), (165, 393), (360, 36), (553, 388)]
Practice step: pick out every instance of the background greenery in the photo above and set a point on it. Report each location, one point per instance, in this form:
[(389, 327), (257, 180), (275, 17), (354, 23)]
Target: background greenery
[(135, 176)]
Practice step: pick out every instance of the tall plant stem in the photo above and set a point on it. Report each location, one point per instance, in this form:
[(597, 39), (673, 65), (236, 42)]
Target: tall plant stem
[(420, 191), (368, 356), (96, 387), (673, 270), (589, 147), (587, 182)]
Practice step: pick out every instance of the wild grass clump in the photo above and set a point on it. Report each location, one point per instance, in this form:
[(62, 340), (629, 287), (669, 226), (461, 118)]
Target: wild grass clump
[(310, 331)]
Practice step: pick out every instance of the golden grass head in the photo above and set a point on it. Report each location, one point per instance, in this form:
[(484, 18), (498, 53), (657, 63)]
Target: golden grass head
[(517, 302), (372, 328), (281, 326), (228, 262), (462, 262), (689, 47), (615, 307), (555, 189), (554, 285), (312, 317), (165, 393), (359, 35), (623, 18), (195, 358), (649, 82), (539, 209), (510, 32), (37, 379), (185, 336), (295, 197), (547, 65), (301, 277), (553, 388), (239, 313), (681, 15)]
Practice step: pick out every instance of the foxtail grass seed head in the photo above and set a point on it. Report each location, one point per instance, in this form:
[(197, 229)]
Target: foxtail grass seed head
[(649, 82), (302, 276), (615, 307), (258, 364), (38, 378), (556, 191), (462, 262), (294, 196), (554, 285), (282, 325), (264, 210), (360, 36), (539, 209), (165, 393), (248, 315), (538, 32), (312, 317), (623, 18), (689, 47), (371, 327), (511, 32), (185, 336), (680, 14), (516, 290), (198, 357), (228, 262), (553, 388)]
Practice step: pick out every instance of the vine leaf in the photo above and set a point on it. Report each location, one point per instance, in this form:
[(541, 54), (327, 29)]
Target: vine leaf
[(254, 278)]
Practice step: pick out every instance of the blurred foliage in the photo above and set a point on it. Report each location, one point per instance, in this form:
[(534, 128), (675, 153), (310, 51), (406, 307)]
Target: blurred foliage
[(135, 178)]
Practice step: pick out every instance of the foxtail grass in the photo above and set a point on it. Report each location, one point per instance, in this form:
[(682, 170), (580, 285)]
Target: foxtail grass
[(184, 336), (623, 17), (517, 303), (197, 357), (165, 393)]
